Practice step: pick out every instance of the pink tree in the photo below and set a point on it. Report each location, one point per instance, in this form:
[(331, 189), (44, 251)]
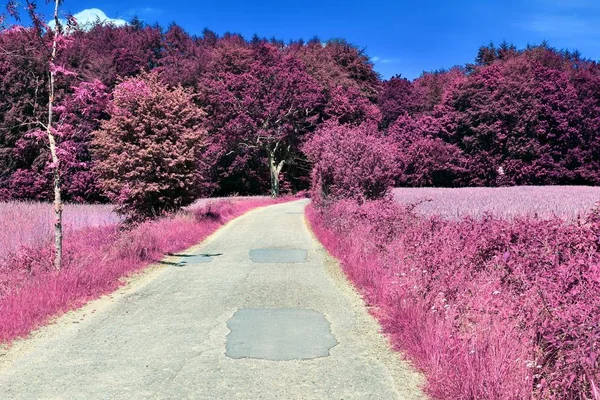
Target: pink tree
[(521, 118), (348, 81), (266, 108), (423, 158), (430, 88), (107, 52), (183, 59), (78, 115), (395, 99), (350, 163), (51, 40), (337, 63), (147, 153), (24, 88)]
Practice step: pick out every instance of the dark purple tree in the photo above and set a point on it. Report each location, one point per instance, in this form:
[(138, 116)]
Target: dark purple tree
[(395, 99), (518, 119), (423, 159), (262, 111), (183, 58)]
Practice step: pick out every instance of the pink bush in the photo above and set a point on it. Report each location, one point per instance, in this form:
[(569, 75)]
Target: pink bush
[(487, 309), (350, 162), (95, 261)]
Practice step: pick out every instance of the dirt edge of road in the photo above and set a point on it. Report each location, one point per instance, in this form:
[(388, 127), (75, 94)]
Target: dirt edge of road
[(407, 380)]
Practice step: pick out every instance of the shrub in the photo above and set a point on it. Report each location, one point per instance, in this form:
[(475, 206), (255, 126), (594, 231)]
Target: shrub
[(350, 163), (147, 152)]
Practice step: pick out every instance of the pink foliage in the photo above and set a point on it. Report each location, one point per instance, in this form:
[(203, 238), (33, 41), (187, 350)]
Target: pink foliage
[(423, 158), (349, 106), (338, 64), (79, 114), (395, 99), (147, 154), (350, 162), (259, 109), (95, 261), (487, 309)]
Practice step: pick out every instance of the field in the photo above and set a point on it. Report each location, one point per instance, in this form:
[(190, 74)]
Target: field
[(30, 224), (567, 202)]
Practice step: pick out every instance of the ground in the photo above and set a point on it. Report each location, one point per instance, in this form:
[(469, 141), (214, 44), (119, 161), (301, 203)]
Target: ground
[(220, 321)]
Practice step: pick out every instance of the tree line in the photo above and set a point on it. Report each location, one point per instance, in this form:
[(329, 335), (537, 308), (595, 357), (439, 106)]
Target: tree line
[(152, 116)]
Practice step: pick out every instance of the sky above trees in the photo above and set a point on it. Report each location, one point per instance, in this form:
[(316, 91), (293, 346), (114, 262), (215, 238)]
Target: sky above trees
[(400, 36)]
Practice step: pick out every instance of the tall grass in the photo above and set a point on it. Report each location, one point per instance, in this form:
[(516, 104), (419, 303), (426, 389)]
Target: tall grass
[(96, 256), (487, 308)]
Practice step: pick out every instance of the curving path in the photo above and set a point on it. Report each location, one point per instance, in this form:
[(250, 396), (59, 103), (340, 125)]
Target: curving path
[(257, 311)]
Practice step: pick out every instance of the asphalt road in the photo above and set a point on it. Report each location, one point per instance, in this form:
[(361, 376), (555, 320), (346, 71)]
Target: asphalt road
[(275, 325)]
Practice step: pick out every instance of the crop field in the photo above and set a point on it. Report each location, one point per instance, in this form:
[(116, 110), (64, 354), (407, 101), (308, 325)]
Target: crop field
[(30, 224), (566, 202)]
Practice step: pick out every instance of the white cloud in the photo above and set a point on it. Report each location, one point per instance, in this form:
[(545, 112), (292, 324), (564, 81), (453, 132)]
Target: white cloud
[(379, 60), (89, 17)]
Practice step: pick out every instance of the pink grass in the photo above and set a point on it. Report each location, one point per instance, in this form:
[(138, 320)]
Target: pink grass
[(96, 259), (488, 308), (30, 224), (567, 202)]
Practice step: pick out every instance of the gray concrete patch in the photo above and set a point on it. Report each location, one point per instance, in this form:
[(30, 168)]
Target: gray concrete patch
[(196, 259), (279, 334), (278, 255)]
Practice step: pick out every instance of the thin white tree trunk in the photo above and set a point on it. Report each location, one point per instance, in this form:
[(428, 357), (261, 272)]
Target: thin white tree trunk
[(275, 170), (58, 206)]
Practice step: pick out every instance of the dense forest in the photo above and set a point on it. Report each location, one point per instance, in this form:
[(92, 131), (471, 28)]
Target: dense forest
[(224, 115)]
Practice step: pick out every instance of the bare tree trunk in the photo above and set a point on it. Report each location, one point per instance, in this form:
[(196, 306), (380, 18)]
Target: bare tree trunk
[(275, 170), (58, 206)]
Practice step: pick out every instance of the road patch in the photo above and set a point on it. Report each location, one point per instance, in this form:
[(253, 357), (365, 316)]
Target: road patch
[(279, 334), (263, 256)]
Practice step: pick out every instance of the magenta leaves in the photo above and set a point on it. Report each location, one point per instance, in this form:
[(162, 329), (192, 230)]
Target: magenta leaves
[(350, 163), (486, 308)]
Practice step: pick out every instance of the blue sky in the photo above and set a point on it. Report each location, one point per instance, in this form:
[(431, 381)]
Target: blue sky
[(401, 37)]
